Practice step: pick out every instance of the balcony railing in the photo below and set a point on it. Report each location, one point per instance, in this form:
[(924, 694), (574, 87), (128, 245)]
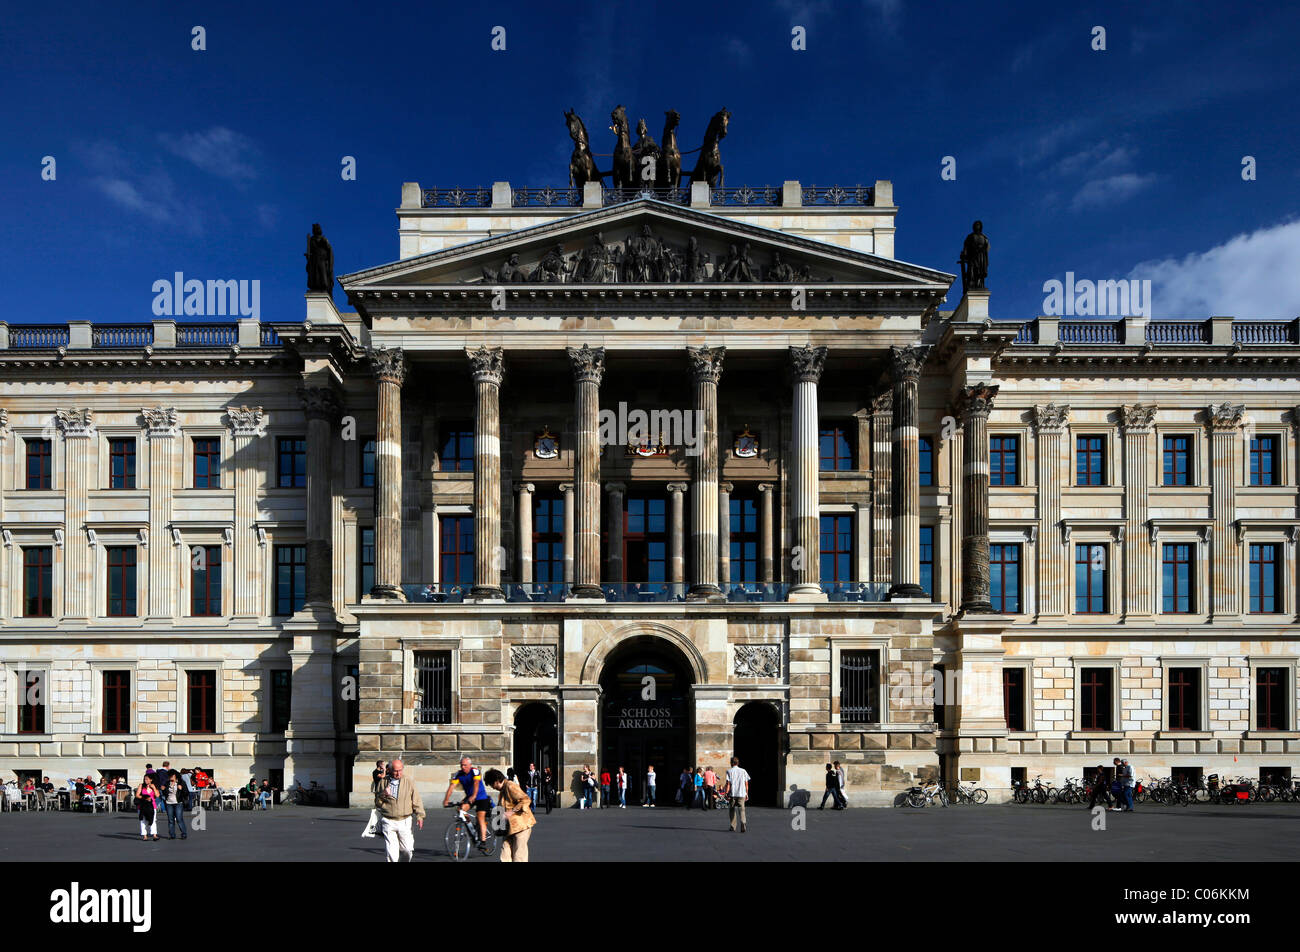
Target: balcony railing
[(1221, 331), (122, 335), (207, 335), (270, 337), (1090, 332), (38, 336), (1265, 332), (643, 592), (559, 196), (1177, 332)]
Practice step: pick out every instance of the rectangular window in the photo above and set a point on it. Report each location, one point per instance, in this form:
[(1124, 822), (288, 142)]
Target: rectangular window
[(837, 549), (205, 580), (1271, 712), (1090, 460), (1176, 590), (1265, 578), (433, 687), (925, 461), (548, 539), (38, 581), (290, 578), (1264, 457), (121, 464), (116, 701), (1004, 578), (927, 560), (1177, 466), (837, 444), (32, 692), (291, 462), (457, 448), (1091, 568), (121, 581), (456, 556), (1184, 699), (366, 577), (744, 541), (1013, 698), (368, 461), (1096, 690), (281, 696), (201, 701), (1004, 460), (860, 687), (645, 540), (38, 464), (207, 462)]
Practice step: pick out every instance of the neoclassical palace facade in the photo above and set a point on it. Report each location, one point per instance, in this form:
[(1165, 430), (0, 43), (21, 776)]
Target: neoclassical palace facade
[(588, 477)]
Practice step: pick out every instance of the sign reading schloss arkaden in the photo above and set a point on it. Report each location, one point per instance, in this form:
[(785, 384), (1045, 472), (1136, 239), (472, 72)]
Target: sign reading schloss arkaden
[(645, 718)]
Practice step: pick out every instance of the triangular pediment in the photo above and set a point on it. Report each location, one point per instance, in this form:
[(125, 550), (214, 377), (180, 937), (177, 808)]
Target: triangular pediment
[(646, 242)]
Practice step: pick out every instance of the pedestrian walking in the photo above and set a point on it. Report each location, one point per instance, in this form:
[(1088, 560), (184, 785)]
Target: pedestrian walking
[(1099, 791), (146, 804), (398, 803), (686, 787), (604, 788), (737, 793), (532, 780), (1117, 787), (516, 807), (1127, 783), (650, 786), (832, 788), (710, 788), (697, 788), (843, 779), (548, 785), (176, 800), (620, 781), (588, 781)]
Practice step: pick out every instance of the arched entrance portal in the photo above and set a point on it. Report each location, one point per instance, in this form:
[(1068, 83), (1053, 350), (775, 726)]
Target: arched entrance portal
[(645, 715), (758, 747), (535, 738)]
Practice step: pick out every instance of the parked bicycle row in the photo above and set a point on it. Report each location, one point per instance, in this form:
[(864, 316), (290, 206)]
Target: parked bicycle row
[(1180, 790)]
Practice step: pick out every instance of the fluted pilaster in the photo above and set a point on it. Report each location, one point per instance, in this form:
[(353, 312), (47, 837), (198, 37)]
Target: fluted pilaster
[(882, 515), (975, 405), (588, 371), (525, 521), (677, 534), (78, 431), (614, 573), (1225, 575), (905, 473), (1140, 591), (567, 490), (160, 431), (245, 429), (724, 535), (766, 530), (322, 408)]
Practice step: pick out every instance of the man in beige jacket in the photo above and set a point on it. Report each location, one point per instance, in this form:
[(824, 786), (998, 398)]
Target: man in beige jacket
[(398, 802)]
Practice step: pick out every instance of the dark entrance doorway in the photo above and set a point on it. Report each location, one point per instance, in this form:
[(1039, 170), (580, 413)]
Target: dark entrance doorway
[(639, 730), (535, 738), (758, 747)]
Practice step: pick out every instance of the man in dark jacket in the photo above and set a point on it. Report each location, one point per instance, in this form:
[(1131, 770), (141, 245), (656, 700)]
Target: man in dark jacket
[(175, 797), (1099, 791)]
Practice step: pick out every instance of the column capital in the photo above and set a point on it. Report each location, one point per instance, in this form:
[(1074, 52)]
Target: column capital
[(706, 363), (389, 364), (977, 400), (906, 362), (487, 364), (159, 421), (1225, 416), (725, 487), (807, 363), (588, 363), (245, 421), (676, 487), (4, 425), (527, 487), (883, 402), (615, 487), (1051, 418), (765, 487), (75, 422), (1138, 418), (1295, 420), (320, 403), (565, 487)]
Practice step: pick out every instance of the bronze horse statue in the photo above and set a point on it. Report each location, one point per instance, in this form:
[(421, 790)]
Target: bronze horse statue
[(582, 165), (709, 167), (670, 169), (623, 171)]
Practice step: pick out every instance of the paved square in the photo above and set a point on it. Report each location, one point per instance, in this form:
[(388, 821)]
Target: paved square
[(1195, 834)]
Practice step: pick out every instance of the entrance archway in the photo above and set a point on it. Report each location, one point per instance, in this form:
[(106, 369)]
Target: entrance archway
[(535, 738), (645, 715), (758, 747)]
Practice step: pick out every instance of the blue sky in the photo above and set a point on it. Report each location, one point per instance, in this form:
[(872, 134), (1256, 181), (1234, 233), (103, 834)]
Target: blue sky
[(1115, 163)]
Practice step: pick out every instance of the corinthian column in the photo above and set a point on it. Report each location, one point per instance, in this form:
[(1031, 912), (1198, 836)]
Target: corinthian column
[(321, 406), (588, 370), (1054, 559), (975, 405), (1225, 469), (614, 574), (905, 473), (766, 564), (806, 365), (724, 534), (567, 489), (390, 370), (706, 368), (488, 370)]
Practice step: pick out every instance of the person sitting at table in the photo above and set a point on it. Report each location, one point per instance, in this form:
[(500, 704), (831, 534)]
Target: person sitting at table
[(29, 785), (249, 789), (46, 785), (201, 779), (265, 794)]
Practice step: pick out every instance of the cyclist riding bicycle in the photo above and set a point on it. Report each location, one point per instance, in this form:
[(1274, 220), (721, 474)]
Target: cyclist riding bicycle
[(471, 784)]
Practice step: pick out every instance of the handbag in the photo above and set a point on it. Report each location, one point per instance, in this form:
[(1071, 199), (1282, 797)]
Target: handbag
[(373, 825)]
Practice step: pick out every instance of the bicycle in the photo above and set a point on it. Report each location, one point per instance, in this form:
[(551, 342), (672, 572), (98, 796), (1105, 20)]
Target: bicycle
[(314, 796), (927, 793), (969, 794), (462, 834)]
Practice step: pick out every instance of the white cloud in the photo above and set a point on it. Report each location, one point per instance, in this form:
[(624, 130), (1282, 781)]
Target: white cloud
[(128, 196), (218, 151), (1251, 275), (1112, 189)]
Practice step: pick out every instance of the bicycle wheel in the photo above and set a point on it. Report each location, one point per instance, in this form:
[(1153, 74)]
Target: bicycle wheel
[(915, 798), (457, 840), (979, 795), (1040, 795), (1022, 795)]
